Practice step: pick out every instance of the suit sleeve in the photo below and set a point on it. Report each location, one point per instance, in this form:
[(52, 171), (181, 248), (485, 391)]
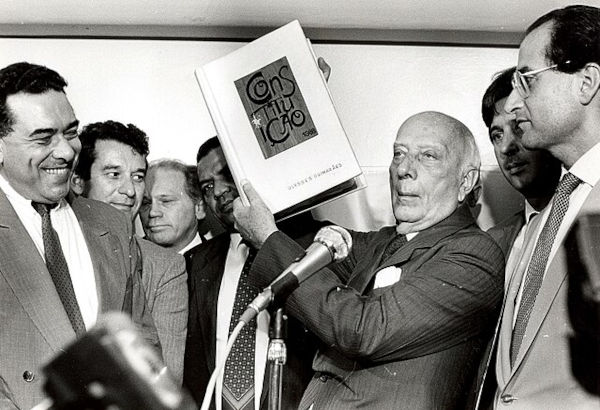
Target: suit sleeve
[(170, 315), (448, 298), (6, 397)]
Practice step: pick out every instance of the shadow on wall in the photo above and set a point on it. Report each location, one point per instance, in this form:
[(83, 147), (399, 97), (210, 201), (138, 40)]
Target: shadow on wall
[(370, 209)]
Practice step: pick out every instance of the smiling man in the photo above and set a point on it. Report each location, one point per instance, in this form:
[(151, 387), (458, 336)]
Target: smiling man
[(403, 318), (62, 263), (112, 168)]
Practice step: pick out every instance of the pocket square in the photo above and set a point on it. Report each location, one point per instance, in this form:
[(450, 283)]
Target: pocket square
[(387, 277)]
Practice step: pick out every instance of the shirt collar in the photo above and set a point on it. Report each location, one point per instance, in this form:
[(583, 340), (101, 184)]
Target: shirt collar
[(195, 241), (586, 167), (529, 212), (236, 240)]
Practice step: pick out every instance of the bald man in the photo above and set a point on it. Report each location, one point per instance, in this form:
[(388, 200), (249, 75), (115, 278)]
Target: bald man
[(403, 317)]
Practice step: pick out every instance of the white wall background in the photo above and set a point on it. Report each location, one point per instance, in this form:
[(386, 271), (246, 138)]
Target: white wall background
[(151, 83)]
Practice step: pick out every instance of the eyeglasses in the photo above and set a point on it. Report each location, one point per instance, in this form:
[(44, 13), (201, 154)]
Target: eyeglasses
[(520, 81)]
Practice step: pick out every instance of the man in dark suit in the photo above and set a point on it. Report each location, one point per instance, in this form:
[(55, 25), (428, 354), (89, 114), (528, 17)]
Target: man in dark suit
[(402, 323), (214, 271), (62, 263), (556, 104), (112, 169)]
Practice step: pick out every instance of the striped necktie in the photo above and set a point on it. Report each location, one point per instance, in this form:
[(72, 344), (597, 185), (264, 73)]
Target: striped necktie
[(57, 266), (539, 260)]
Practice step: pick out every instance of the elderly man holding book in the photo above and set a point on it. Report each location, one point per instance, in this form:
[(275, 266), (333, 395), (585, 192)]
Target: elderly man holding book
[(404, 318)]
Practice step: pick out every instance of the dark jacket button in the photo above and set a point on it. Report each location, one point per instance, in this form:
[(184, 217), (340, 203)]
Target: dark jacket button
[(28, 376)]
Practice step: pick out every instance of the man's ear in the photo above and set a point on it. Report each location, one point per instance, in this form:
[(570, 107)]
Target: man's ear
[(77, 184), (469, 183), (200, 210), (590, 82)]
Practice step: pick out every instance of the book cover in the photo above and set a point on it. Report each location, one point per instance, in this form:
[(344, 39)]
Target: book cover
[(277, 124)]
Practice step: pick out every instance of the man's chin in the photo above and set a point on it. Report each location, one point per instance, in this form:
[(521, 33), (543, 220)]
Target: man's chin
[(53, 195)]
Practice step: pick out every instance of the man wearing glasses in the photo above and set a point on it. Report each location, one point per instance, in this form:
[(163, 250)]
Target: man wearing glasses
[(556, 103)]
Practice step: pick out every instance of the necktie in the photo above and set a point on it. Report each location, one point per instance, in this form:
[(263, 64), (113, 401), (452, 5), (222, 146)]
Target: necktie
[(537, 266), (238, 379), (58, 269), (396, 243)]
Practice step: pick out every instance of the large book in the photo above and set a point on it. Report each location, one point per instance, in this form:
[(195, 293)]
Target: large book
[(277, 124)]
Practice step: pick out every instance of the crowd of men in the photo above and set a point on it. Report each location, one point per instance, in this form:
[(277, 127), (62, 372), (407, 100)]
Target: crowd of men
[(431, 313)]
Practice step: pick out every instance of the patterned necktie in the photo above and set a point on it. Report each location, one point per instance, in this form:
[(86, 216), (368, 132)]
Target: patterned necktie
[(396, 243), (58, 269), (537, 266), (238, 379)]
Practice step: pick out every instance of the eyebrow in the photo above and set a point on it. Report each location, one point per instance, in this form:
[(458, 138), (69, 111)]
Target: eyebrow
[(110, 166), (44, 131), (524, 69)]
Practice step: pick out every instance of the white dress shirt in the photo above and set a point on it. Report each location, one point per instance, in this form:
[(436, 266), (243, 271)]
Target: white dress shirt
[(518, 247), (236, 257), (72, 242), (196, 241), (587, 170)]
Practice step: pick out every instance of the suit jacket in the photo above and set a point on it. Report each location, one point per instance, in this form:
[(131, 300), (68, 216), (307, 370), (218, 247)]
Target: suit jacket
[(507, 231), (205, 272), (542, 377), (165, 285), (33, 323), (482, 394), (414, 344)]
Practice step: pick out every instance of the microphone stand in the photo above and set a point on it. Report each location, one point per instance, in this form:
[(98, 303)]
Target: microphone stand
[(276, 357)]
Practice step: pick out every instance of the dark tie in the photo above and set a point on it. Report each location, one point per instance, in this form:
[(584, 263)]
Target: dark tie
[(396, 243), (238, 379), (537, 266), (57, 266)]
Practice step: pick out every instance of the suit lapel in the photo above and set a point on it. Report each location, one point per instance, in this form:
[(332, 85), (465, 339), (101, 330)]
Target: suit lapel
[(555, 278), (104, 251), (512, 231), (425, 239), (25, 272), (211, 266)]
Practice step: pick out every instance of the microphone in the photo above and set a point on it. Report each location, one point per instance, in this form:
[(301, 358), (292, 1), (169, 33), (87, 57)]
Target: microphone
[(331, 244), (112, 366)]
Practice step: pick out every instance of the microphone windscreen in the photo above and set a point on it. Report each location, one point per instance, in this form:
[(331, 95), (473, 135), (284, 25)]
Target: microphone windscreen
[(112, 365)]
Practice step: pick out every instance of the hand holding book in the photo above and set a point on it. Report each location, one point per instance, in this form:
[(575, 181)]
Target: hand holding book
[(254, 221)]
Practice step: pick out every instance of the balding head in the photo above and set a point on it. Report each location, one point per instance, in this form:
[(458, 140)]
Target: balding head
[(435, 166)]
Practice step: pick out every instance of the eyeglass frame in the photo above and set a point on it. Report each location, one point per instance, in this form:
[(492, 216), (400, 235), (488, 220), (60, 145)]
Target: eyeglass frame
[(519, 79)]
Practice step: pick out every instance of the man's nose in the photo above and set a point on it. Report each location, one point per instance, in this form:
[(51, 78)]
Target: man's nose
[(406, 168), (220, 188), (513, 102), (63, 149), (127, 188), (508, 145)]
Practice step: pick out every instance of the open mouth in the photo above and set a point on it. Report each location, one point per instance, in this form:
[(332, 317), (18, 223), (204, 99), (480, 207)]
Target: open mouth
[(57, 171)]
